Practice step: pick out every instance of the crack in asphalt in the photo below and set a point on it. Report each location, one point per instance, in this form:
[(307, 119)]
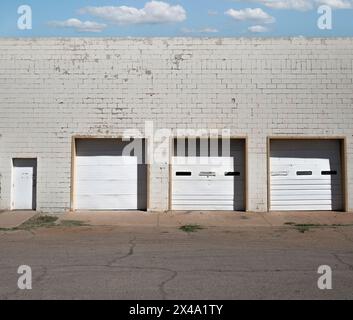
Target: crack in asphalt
[(173, 273), (339, 259), (166, 278), (161, 285), (132, 244)]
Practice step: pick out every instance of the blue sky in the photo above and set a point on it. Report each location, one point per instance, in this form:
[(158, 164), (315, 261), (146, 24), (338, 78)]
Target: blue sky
[(139, 18)]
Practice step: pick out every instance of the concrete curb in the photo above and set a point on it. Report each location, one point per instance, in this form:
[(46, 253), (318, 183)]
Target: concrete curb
[(208, 219)]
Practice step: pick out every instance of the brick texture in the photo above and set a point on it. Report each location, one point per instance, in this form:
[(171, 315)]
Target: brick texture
[(54, 89)]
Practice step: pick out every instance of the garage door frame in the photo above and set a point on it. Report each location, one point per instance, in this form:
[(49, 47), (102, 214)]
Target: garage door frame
[(343, 155), (73, 165), (171, 154)]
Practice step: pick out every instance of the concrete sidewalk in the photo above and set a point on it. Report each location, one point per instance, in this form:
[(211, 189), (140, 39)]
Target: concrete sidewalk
[(13, 219), (208, 219)]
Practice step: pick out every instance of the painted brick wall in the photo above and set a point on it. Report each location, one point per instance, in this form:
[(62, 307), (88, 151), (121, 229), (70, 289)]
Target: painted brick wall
[(53, 89)]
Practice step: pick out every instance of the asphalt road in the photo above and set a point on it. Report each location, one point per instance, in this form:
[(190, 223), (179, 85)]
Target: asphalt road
[(154, 263)]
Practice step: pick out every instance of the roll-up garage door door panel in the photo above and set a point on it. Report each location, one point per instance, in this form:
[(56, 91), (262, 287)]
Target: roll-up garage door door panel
[(211, 186), (203, 188), (109, 187), (107, 202), (106, 180), (306, 175)]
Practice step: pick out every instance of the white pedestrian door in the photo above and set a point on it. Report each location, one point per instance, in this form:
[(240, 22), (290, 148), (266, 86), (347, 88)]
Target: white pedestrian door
[(24, 181)]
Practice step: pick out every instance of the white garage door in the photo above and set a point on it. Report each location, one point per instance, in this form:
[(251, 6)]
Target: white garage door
[(209, 183), (106, 180), (306, 175)]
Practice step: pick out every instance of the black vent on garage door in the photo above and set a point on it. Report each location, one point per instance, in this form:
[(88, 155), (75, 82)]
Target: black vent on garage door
[(183, 173), (304, 173), (329, 173), (232, 174)]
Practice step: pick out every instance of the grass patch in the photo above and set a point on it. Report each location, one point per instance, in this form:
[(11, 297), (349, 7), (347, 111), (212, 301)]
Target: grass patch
[(304, 227), (72, 223), (342, 225), (45, 222), (191, 228), (38, 222)]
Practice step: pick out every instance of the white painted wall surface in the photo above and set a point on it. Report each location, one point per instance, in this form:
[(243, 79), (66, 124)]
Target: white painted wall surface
[(53, 89)]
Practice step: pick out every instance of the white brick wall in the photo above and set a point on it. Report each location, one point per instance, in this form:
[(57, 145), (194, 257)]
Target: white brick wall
[(52, 89)]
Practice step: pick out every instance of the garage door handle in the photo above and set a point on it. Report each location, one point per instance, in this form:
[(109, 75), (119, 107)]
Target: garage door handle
[(207, 174)]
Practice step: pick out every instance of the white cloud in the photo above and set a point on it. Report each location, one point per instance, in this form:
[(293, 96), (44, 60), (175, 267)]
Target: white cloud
[(82, 26), (256, 14), (258, 29), (301, 5), (152, 12), (304, 5), (337, 4), (204, 30)]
